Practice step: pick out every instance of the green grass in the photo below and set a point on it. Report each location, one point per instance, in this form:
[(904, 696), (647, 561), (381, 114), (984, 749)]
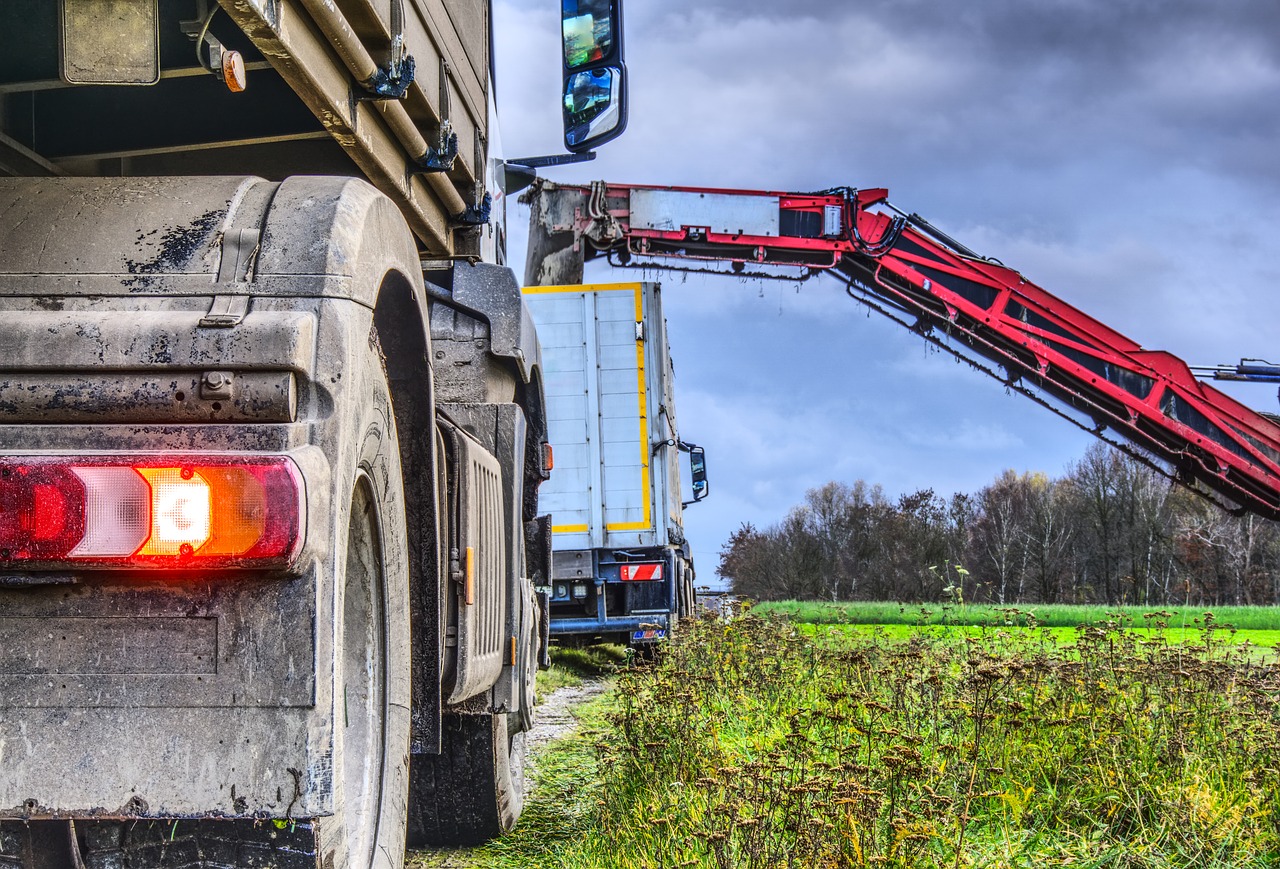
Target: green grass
[(1263, 639), (751, 745), (759, 743), (598, 660), (1049, 615)]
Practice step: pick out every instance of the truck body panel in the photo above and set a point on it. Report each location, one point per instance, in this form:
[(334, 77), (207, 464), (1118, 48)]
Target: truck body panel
[(615, 493), (273, 249), (607, 366), (210, 681)]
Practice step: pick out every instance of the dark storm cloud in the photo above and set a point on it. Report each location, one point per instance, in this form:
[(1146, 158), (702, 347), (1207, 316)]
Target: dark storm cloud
[(1105, 29), (1192, 82), (1121, 154)]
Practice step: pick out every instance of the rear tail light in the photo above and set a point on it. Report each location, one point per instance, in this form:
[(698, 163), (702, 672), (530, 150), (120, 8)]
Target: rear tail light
[(150, 512), (641, 572)]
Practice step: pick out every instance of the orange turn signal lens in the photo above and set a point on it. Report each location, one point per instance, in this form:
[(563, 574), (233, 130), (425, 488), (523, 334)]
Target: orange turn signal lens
[(233, 71), (240, 519)]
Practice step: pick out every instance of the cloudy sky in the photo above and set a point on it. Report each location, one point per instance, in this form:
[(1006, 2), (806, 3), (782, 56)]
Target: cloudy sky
[(1123, 154)]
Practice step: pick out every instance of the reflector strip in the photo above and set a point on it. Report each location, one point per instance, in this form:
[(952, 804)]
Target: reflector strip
[(639, 572)]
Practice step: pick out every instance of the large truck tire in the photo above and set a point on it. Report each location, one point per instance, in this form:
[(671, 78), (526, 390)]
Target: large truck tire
[(682, 595), (372, 645), (688, 590), (372, 747), (473, 791)]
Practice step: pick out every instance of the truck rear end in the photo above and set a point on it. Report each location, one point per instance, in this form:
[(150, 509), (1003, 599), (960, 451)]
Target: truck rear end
[(622, 569), (271, 433), (203, 549)]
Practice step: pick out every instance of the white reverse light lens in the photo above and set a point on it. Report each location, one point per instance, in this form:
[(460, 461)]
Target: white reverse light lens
[(117, 512)]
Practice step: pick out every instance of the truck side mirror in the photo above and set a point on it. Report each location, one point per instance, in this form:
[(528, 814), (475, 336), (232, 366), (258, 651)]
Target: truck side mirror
[(595, 96), (697, 471)]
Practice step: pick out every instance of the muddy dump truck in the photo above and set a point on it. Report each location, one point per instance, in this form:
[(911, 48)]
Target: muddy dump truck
[(622, 570), (272, 428)]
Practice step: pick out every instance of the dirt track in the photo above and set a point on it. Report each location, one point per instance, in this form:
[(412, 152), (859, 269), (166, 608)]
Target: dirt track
[(552, 720), (554, 716)]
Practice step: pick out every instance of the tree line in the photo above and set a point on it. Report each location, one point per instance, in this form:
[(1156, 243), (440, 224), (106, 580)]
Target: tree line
[(1110, 531)]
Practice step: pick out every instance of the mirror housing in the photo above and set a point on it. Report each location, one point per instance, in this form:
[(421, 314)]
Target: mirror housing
[(697, 471), (595, 93)]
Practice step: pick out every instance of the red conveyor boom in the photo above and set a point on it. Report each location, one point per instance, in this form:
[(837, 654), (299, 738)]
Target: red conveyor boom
[(974, 307)]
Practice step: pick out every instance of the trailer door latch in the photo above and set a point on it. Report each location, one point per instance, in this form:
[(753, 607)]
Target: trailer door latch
[(225, 312)]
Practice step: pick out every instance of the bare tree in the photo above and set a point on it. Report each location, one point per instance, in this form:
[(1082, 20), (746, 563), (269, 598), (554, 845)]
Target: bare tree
[(1000, 534), (1095, 481), (1050, 537), (828, 516)]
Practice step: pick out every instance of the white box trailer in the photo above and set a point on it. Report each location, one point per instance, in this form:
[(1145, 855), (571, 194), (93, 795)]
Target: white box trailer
[(621, 564)]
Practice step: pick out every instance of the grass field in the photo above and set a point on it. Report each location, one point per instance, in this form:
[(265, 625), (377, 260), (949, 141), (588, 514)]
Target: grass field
[(1047, 615), (751, 744), (1262, 639)]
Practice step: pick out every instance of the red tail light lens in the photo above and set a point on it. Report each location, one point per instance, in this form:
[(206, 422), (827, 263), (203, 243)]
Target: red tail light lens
[(150, 512), (40, 512)]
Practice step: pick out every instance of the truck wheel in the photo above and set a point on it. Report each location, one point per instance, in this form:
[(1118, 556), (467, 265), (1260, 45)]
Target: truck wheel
[(372, 735), (371, 682), (473, 790), (682, 597)]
